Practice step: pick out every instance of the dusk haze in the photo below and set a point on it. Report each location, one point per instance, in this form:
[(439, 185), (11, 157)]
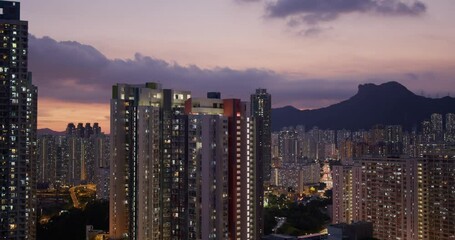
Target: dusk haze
[(227, 120), (307, 54)]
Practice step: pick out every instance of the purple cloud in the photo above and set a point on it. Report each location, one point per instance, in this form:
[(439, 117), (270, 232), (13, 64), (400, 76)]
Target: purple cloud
[(75, 72), (315, 11)]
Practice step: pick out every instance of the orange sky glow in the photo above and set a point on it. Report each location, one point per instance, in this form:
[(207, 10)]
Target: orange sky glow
[(56, 115), (95, 47)]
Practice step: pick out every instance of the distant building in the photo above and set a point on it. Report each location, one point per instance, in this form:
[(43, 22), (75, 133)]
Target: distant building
[(102, 183), (288, 150), (327, 178), (47, 159), (436, 127), (101, 163), (298, 176), (426, 132), (82, 150), (450, 128), (73, 158), (341, 136), (275, 145)]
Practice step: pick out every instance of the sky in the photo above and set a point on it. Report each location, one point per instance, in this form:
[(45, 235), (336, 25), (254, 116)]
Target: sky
[(307, 53)]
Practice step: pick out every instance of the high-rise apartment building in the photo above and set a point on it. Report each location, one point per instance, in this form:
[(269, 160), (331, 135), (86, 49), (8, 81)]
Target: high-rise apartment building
[(261, 111), (52, 162), (450, 128), (74, 158), (404, 198), (241, 170), (342, 177), (437, 126), (149, 163), (298, 175), (341, 136), (208, 168), (450, 122), (436, 198), (181, 167), (343, 194), (426, 132), (288, 145), (101, 166), (47, 162), (75, 150), (275, 146), (18, 111), (388, 196), (243, 177), (84, 148)]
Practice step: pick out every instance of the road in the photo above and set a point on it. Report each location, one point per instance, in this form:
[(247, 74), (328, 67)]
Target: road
[(76, 203), (74, 197)]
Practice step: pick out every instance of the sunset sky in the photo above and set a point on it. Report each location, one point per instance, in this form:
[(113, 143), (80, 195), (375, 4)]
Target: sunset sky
[(307, 53)]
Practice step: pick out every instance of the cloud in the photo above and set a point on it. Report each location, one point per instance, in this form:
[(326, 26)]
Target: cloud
[(412, 76), (73, 72), (313, 31), (315, 11)]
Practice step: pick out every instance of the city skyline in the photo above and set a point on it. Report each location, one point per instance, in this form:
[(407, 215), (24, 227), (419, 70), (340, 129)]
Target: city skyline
[(236, 46), (192, 149)]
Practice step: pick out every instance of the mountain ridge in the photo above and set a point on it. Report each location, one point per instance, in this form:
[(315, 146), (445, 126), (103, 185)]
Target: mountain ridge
[(48, 131), (388, 103)]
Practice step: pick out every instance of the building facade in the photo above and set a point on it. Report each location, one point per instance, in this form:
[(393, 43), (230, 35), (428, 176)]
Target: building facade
[(261, 111), (18, 115), (77, 157), (404, 198), (241, 169), (436, 198), (149, 163), (208, 168), (181, 167)]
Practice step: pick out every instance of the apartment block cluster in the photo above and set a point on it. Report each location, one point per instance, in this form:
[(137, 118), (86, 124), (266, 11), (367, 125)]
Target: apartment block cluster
[(79, 156), (185, 167), (297, 156), (295, 145), (404, 185), (433, 136), (404, 197), (297, 152), (403, 182)]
